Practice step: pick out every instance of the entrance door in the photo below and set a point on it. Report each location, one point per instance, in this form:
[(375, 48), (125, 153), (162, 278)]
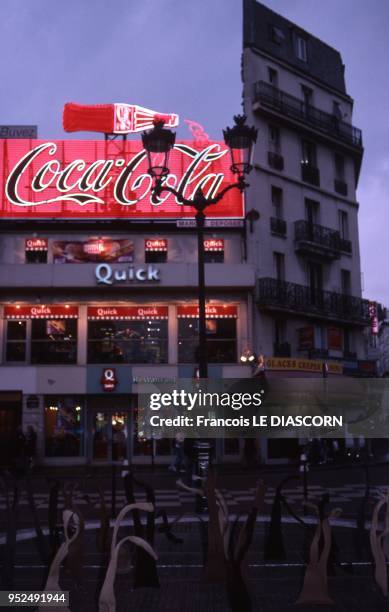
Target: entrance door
[(110, 436)]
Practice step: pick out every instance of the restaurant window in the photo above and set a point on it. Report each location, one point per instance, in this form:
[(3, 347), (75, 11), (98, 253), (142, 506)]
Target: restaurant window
[(220, 330), (155, 250), (93, 250), (16, 341), (36, 250), (214, 250), (64, 426), (128, 335), (54, 341)]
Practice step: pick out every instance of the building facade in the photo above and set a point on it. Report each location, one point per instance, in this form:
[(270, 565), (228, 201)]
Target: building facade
[(90, 308)]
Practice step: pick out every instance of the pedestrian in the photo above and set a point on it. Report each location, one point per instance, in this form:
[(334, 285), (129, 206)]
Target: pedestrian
[(31, 438), (178, 446)]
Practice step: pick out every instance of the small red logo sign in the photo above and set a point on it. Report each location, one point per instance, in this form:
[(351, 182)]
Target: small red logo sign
[(109, 379)]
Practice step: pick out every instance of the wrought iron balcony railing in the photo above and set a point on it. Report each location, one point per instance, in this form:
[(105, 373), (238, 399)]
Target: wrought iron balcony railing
[(275, 160), (278, 295), (297, 109), (278, 226), (311, 237)]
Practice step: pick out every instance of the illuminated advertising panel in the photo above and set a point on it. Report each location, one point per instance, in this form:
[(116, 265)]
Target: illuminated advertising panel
[(78, 179)]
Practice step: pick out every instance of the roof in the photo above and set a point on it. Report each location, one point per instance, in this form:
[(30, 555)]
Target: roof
[(261, 26)]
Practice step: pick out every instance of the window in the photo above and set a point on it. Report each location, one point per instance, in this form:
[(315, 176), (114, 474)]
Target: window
[(64, 426), (214, 257), (346, 282), (301, 48), (276, 35), (308, 150), (36, 257), (307, 95), (214, 250), (312, 209), (16, 341), (128, 341), (337, 110), (272, 76), (221, 340), (279, 266), (155, 257), (54, 341), (343, 225), (156, 250), (274, 139), (276, 199), (339, 166), (279, 331)]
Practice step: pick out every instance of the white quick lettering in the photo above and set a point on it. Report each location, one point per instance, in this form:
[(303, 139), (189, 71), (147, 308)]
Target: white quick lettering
[(107, 276)]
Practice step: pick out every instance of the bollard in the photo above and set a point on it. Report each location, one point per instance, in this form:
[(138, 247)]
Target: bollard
[(202, 462)]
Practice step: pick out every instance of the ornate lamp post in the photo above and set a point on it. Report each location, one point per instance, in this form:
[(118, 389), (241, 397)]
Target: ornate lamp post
[(158, 143)]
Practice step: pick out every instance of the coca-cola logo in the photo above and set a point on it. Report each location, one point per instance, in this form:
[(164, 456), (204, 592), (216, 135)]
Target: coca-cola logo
[(84, 183)]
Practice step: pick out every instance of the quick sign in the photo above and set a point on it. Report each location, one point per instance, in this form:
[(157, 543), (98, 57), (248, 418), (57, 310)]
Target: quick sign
[(109, 379), (212, 311), (107, 275), (102, 179), (128, 312), (54, 311)]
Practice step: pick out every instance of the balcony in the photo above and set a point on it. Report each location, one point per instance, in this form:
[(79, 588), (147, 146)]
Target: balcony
[(275, 160), (298, 110), (340, 187), (313, 239), (301, 300), (310, 174), (278, 227)]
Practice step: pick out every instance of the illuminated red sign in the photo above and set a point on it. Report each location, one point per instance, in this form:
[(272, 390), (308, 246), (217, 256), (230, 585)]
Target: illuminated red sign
[(112, 118), (128, 312), (156, 244), (218, 311), (103, 179), (335, 338), (40, 312), (109, 379), (214, 244), (36, 244)]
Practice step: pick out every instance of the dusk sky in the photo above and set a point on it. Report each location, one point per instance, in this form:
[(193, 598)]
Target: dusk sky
[(184, 57)]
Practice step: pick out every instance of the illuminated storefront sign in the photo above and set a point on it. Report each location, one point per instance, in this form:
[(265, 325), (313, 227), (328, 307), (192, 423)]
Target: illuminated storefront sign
[(109, 379), (36, 244), (214, 244), (128, 312), (93, 250), (222, 311), (112, 118), (302, 365), (107, 275), (101, 179), (156, 245), (40, 312)]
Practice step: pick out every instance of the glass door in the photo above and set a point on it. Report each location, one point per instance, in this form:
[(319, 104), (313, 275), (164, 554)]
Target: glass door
[(110, 436)]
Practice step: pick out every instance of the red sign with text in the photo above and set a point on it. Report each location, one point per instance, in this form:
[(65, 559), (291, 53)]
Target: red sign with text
[(214, 244), (82, 179), (40, 312), (36, 244), (156, 244), (212, 311), (128, 312)]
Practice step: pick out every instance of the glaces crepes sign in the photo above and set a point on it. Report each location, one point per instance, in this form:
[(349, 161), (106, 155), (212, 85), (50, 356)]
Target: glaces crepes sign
[(97, 179)]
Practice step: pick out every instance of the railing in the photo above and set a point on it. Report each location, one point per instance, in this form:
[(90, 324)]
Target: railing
[(317, 234), (340, 187), (282, 295), (297, 109), (278, 226), (275, 160), (310, 174)]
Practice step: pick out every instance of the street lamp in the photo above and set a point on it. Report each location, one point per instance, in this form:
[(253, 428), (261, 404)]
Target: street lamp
[(158, 143)]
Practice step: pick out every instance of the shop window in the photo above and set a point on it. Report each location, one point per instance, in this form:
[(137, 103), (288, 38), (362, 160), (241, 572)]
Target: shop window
[(16, 341), (221, 340), (156, 250), (94, 250), (111, 341), (64, 426), (54, 341), (36, 257)]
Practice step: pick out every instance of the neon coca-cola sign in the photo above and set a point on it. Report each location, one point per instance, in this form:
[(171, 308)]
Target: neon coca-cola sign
[(81, 179)]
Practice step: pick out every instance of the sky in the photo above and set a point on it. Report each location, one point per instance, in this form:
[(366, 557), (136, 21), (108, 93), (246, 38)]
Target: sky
[(184, 57)]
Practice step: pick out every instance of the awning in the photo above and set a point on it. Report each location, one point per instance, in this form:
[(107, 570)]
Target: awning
[(23, 311), (219, 311), (135, 313)]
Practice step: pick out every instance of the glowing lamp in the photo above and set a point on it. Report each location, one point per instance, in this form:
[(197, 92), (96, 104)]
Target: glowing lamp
[(240, 139), (158, 143)]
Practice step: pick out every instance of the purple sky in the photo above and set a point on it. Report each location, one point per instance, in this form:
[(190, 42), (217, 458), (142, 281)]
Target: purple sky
[(184, 57)]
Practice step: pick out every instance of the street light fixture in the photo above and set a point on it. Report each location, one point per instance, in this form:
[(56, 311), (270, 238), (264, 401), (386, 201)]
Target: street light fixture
[(158, 143)]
